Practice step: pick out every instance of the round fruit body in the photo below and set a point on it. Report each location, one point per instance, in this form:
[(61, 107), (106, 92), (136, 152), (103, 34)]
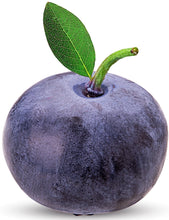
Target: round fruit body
[(85, 155)]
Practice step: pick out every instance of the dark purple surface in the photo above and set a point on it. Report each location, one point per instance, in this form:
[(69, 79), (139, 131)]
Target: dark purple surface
[(85, 155)]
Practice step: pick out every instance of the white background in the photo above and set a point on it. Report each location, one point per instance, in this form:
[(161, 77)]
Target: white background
[(26, 59)]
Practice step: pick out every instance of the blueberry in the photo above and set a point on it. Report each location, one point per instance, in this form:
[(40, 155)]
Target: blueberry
[(85, 155)]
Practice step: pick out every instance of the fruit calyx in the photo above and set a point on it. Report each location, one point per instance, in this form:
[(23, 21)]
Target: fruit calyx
[(91, 90), (93, 87)]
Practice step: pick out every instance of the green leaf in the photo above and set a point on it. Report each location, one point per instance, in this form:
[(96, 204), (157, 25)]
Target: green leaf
[(69, 40)]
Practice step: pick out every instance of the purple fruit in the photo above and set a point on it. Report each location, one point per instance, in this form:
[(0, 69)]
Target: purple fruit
[(85, 155)]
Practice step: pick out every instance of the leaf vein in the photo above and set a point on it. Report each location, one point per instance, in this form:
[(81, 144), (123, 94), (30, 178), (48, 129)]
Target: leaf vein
[(81, 60)]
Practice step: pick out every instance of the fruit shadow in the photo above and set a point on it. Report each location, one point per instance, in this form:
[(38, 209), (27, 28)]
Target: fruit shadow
[(40, 212)]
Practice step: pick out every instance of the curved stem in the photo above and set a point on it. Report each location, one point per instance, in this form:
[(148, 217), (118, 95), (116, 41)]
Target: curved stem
[(109, 61), (94, 85)]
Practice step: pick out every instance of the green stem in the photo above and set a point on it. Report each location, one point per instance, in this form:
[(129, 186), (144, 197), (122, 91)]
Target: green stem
[(94, 86), (109, 61)]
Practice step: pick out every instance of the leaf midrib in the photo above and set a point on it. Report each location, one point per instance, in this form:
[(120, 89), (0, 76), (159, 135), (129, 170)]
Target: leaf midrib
[(73, 46)]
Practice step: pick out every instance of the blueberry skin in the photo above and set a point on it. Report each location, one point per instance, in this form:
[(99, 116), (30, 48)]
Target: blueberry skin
[(85, 155)]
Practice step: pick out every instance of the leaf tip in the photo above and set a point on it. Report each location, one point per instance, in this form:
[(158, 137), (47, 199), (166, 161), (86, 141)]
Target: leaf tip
[(48, 4)]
